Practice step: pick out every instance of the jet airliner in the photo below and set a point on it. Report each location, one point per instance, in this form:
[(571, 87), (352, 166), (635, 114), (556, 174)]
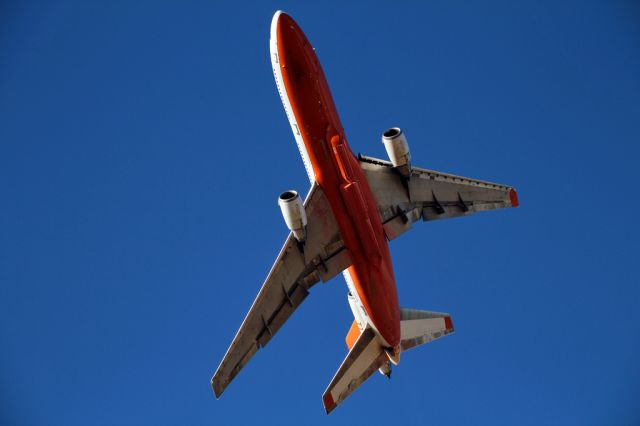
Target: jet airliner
[(356, 204)]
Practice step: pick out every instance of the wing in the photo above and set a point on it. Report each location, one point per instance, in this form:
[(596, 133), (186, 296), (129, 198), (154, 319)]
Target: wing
[(429, 195), (295, 270)]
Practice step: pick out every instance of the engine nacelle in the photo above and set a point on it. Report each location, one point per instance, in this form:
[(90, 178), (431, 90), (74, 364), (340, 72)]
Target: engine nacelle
[(398, 150), (294, 215)]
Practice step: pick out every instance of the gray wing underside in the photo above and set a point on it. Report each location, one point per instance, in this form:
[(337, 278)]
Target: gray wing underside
[(429, 195), (295, 270)]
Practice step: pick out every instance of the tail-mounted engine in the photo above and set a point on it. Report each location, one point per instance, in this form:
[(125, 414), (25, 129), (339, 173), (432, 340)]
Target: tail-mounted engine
[(294, 214), (398, 150)]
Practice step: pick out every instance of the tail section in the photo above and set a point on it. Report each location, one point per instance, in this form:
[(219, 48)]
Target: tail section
[(420, 327), (365, 357), (366, 354)]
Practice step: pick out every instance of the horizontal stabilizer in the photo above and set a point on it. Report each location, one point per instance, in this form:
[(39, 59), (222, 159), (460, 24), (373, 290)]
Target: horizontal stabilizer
[(365, 357), (420, 327)]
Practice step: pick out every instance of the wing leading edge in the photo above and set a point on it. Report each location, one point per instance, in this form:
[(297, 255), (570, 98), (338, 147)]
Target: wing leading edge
[(296, 269)]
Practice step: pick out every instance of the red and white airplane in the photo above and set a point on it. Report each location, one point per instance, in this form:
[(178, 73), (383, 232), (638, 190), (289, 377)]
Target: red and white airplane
[(355, 205)]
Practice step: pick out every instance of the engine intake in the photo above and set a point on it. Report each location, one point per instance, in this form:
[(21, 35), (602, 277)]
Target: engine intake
[(398, 150), (294, 214)]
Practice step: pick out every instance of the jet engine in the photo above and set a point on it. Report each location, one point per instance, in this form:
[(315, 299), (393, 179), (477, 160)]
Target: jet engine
[(398, 150), (294, 215)]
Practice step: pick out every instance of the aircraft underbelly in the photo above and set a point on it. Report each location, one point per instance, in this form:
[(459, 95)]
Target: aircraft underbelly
[(338, 173)]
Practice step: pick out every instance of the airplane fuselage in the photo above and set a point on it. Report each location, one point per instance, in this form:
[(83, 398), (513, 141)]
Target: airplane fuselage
[(329, 160)]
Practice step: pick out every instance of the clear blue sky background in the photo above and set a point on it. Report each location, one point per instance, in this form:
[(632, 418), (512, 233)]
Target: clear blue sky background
[(142, 148)]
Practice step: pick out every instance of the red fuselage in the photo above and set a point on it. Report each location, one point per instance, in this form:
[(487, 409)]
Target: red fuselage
[(338, 173)]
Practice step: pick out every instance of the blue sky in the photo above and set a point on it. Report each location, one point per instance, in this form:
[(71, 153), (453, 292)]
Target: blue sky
[(142, 149)]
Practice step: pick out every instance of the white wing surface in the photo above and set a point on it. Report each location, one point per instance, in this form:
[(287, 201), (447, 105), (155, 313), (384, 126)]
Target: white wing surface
[(429, 195)]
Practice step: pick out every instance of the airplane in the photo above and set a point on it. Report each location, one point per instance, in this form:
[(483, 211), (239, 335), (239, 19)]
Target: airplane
[(356, 204)]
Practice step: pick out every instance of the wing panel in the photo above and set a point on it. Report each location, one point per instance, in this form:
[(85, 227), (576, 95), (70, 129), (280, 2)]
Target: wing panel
[(429, 195), (296, 269)]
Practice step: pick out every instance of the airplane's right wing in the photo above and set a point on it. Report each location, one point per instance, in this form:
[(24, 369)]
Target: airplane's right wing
[(429, 195), (296, 269)]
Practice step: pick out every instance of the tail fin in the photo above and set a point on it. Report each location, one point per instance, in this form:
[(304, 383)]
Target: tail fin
[(353, 334), (420, 327), (365, 357)]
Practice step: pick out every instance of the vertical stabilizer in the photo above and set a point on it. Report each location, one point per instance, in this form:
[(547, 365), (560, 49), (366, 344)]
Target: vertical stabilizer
[(353, 334)]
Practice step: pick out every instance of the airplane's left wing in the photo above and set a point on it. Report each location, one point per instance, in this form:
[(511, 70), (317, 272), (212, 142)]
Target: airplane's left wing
[(295, 270), (429, 195)]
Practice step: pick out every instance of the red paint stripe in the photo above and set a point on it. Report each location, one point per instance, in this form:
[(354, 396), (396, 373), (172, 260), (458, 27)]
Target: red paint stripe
[(328, 402), (513, 196), (448, 324)]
